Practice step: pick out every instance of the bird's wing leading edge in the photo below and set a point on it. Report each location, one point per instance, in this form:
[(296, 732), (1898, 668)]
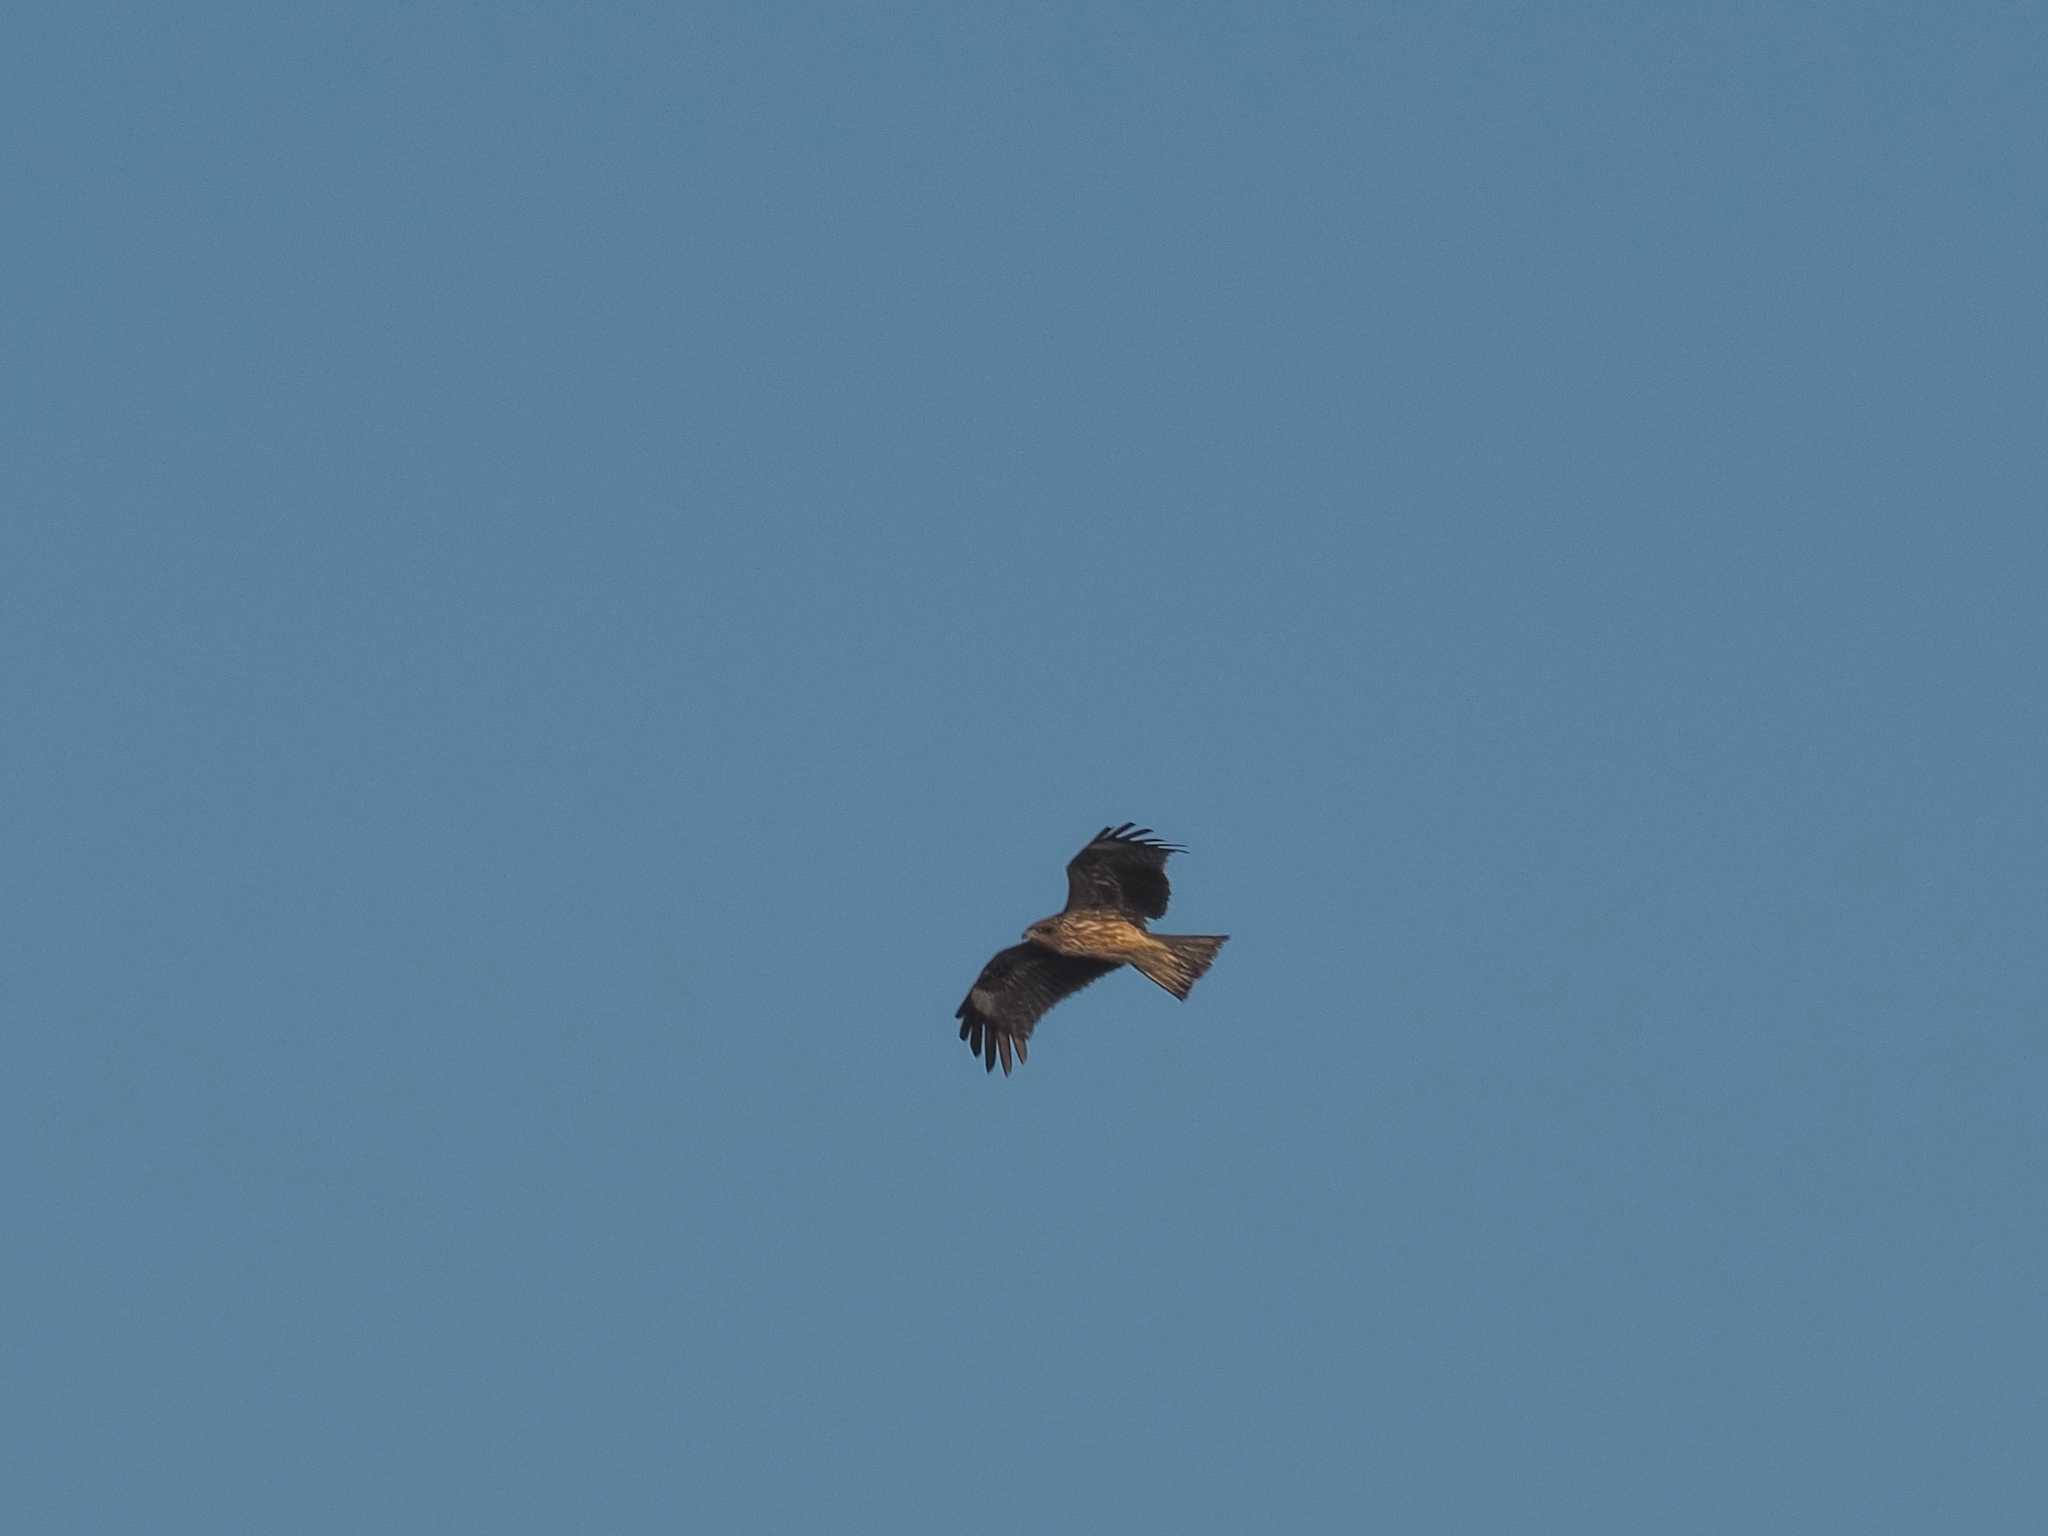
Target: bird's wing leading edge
[(1123, 868), (1013, 992)]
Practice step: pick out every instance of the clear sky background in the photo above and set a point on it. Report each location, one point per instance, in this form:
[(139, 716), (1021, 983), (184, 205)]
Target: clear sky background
[(569, 572)]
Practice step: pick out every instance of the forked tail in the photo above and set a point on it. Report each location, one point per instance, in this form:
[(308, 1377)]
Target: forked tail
[(1178, 960)]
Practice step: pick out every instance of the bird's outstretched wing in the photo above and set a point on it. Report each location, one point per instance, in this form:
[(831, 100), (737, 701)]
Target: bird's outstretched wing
[(1123, 868), (1012, 994)]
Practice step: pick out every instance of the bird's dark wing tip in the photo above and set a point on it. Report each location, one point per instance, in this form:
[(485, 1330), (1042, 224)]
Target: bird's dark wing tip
[(1137, 836)]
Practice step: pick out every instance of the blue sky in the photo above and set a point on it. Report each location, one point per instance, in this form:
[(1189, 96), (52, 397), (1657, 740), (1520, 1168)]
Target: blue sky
[(568, 573)]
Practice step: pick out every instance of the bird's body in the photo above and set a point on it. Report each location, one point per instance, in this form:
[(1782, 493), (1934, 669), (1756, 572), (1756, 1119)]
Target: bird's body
[(1094, 932), (1113, 885)]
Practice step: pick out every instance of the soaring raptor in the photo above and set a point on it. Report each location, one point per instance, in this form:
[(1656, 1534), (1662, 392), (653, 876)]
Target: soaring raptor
[(1113, 885)]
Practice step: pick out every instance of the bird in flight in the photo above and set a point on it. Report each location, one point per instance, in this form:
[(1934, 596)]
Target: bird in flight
[(1113, 886)]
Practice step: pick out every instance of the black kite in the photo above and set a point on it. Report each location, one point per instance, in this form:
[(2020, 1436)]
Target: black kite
[(1113, 885)]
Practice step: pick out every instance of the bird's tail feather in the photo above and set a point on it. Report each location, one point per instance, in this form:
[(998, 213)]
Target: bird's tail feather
[(1178, 960)]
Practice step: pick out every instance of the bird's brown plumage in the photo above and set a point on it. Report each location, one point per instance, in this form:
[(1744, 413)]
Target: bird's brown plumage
[(1122, 869), (1114, 885)]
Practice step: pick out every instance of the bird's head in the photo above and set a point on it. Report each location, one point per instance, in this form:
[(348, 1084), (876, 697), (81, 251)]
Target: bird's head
[(1040, 932)]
